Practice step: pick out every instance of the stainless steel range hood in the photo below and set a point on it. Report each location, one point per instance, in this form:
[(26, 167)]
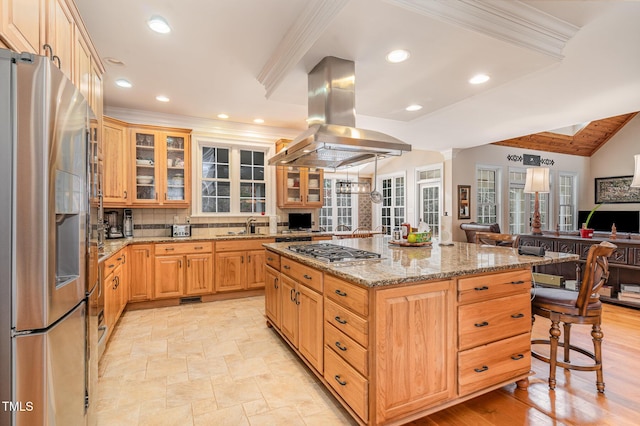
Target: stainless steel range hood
[(332, 140)]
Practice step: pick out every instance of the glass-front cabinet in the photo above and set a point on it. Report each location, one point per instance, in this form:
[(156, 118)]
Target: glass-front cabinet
[(299, 187), (161, 174)]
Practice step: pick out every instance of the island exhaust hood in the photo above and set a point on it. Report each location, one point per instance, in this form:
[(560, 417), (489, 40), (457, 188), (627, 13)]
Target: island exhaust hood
[(332, 140)]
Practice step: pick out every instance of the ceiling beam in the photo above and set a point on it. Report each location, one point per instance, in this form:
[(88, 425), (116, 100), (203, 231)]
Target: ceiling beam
[(304, 32), (511, 21)]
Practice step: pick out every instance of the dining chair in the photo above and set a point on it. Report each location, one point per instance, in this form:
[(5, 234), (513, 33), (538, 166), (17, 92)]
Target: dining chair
[(497, 239), (574, 307)]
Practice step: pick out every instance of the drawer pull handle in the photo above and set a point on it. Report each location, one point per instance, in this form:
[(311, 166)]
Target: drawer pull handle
[(484, 287), (517, 282), (286, 267), (337, 377), (339, 346), (270, 259), (341, 293), (481, 324), (119, 259), (517, 315), (480, 370), (112, 266), (307, 277), (291, 293), (275, 283), (517, 357), (198, 248), (169, 248), (340, 320)]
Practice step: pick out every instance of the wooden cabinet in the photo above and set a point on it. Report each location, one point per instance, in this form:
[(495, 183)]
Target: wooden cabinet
[(82, 64), (272, 298), (115, 163), (22, 25), (183, 269), (299, 187), (140, 272), (240, 264), (60, 35), (115, 283), (161, 173), (493, 332)]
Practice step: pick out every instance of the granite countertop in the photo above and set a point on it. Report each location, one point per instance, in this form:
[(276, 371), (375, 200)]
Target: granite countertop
[(111, 246), (412, 264)]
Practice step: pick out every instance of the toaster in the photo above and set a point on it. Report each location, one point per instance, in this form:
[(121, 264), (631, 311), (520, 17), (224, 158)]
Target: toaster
[(181, 231)]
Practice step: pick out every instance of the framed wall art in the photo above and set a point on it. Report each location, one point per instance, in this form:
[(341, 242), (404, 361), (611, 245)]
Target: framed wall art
[(464, 201), (616, 190)]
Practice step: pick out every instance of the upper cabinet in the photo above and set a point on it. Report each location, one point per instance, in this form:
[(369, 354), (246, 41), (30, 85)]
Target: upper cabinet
[(115, 155), (60, 36), (162, 167), (298, 186), (22, 25)]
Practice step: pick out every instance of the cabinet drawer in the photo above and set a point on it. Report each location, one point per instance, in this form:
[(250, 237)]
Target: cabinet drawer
[(243, 244), (494, 363), (273, 260), (490, 286), (347, 348), (346, 321), (347, 295), (113, 262), (492, 320), (310, 277), (346, 381), (183, 248)]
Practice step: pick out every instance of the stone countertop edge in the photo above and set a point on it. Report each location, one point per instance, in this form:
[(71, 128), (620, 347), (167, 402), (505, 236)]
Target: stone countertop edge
[(111, 246), (405, 265)]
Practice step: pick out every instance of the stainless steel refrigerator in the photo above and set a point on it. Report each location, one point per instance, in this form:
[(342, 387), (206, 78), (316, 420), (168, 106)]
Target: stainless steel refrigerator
[(48, 359)]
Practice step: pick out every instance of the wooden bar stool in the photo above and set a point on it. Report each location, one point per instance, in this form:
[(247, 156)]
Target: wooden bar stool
[(497, 239), (571, 307)]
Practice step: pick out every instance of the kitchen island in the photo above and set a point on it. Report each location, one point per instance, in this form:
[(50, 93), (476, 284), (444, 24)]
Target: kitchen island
[(414, 332)]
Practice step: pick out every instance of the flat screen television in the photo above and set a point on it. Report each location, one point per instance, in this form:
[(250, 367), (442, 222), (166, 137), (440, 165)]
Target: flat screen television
[(626, 221), (299, 221)]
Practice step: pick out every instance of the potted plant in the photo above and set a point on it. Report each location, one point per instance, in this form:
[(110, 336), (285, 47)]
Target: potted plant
[(587, 232)]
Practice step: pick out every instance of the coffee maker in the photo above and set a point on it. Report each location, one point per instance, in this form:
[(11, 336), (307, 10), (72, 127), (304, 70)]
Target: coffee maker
[(127, 223), (113, 224)]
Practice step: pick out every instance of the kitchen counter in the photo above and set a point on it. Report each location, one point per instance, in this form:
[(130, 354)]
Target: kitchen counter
[(111, 246), (412, 264)]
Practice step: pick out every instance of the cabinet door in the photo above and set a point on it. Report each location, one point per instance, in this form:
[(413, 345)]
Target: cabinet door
[(96, 96), (255, 268), (272, 296), (122, 289), (291, 186), (313, 185), (145, 177), (60, 33), (22, 24), (114, 149), (82, 66), (140, 272), (169, 275), (230, 271), (310, 326), (175, 170), (199, 279), (109, 288), (289, 313)]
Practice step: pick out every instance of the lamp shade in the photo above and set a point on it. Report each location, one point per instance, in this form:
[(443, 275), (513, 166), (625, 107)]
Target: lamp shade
[(537, 180), (636, 174)]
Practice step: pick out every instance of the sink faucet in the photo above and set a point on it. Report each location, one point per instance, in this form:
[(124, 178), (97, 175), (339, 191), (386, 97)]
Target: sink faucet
[(250, 227)]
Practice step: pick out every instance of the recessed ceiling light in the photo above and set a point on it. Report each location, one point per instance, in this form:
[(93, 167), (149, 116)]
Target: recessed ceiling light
[(396, 56), (479, 79), (123, 83), (114, 61), (414, 107), (162, 98), (258, 121), (159, 25), (223, 116)]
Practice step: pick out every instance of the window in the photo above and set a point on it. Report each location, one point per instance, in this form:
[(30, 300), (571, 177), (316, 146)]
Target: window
[(429, 183), (488, 200), (567, 201), (338, 209), (230, 179), (393, 203), (521, 205)]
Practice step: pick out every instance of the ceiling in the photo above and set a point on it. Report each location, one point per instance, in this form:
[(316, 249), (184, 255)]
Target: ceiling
[(552, 63)]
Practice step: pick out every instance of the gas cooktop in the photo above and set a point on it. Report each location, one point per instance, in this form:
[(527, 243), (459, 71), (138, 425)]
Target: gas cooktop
[(332, 252)]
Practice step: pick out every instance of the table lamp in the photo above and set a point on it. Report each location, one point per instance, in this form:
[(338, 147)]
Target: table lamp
[(537, 181)]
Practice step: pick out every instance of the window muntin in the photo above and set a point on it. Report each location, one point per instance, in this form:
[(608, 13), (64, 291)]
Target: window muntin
[(252, 183), (216, 184), (487, 197)]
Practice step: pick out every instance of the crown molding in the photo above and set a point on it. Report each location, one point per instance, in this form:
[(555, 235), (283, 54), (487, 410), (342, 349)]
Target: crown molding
[(304, 32), (511, 21)]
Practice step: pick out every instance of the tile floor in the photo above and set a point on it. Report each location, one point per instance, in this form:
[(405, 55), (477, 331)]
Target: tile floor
[(208, 364)]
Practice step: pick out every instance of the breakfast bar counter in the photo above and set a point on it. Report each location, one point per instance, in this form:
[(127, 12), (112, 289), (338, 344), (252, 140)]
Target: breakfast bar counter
[(411, 333)]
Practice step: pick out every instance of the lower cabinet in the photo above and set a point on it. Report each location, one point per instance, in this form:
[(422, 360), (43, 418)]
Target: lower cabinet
[(140, 272), (183, 269), (240, 265), (272, 298), (115, 288)]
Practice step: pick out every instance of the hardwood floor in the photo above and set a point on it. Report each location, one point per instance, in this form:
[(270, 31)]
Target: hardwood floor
[(575, 400)]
